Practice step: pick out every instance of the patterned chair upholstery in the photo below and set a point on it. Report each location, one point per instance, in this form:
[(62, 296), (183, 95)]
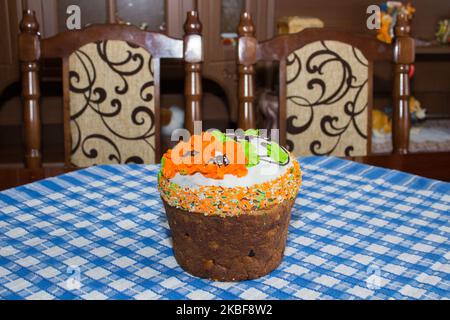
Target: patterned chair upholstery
[(327, 100), (111, 104)]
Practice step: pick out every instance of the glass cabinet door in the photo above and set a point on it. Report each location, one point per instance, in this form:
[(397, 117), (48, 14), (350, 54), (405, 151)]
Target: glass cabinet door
[(231, 11), (230, 14), (147, 14), (150, 14)]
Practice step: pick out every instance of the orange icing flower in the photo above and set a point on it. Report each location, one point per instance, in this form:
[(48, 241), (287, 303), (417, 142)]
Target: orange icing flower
[(198, 155)]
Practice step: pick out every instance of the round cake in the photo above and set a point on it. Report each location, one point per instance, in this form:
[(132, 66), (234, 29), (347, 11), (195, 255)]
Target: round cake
[(228, 199)]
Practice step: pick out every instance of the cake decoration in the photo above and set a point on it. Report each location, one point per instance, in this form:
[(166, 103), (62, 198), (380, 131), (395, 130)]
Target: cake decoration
[(228, 174)]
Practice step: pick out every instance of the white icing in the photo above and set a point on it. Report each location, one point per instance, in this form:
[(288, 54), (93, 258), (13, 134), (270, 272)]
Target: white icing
[(263, 172)]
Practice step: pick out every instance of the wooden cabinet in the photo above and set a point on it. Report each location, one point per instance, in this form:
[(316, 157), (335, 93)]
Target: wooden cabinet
[(219, 19), (431, 82), (9, 28)]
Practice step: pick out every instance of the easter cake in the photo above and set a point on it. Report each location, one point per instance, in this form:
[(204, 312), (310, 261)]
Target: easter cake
[(228, 199)]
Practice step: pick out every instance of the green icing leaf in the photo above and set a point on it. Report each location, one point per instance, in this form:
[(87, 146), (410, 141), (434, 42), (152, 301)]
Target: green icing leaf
[(250, 153), (221, 137), (252, 132), (277, 153)]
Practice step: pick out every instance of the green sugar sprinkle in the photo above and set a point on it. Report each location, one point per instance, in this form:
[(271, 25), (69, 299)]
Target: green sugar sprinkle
[(159, 176), (173, 186)]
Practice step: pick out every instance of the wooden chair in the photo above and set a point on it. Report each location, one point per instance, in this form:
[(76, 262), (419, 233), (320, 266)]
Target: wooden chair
[(325, 87), (111, 83)]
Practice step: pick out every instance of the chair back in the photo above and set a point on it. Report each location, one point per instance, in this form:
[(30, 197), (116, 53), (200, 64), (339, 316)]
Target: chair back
[(111, 89)]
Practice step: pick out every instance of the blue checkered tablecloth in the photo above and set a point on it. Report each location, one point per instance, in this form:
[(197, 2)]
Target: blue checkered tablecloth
[(357, 232)]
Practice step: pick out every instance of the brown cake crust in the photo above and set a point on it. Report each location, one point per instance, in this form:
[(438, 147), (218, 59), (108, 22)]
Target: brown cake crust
[(230, 248)]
